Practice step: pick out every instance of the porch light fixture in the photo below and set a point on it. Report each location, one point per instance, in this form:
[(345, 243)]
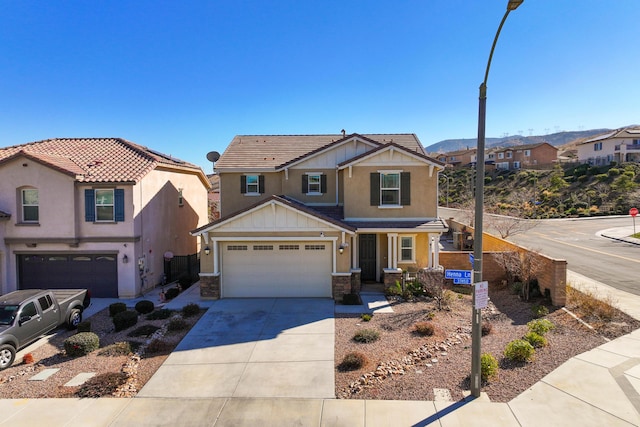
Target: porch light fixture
[(125, 259), (342, 247), (207, 250), (479, 206)]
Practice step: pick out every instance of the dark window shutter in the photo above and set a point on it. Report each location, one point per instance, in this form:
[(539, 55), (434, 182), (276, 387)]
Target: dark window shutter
[(375, 188), (118, 197), (89, 206), (243, 184), (305, 184), (261, 184), (405, 188), (323, 183)]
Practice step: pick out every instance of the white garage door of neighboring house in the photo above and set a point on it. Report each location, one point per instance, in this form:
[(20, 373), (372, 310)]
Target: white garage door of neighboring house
[(276, 269)]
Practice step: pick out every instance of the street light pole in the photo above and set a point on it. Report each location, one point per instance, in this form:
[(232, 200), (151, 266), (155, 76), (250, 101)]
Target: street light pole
[(477, 239)]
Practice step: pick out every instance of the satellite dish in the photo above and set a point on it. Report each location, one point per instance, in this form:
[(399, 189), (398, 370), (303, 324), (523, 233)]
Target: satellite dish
[(213, 156)]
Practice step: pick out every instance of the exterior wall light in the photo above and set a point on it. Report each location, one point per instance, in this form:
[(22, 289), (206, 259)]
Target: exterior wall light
[(342, 247), (207, 250), (125, 259)]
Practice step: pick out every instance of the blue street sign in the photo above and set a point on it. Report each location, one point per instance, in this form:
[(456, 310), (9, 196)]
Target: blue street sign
[(461, 281), (457, 274)]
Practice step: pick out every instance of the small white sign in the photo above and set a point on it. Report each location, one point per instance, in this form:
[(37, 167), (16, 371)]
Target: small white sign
[(481, 290)]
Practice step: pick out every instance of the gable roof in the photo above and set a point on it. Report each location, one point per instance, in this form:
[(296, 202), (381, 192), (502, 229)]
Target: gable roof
[(270, 152), (97, 159), (628, 132), (522, 147), (389, 146)]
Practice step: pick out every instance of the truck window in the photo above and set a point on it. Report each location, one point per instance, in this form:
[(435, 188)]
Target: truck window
[(45, 302), (29, 310), (7, 314)]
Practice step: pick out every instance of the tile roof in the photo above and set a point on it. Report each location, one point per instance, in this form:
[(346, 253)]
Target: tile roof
[(95, 159), (273, 151), (522, 147)]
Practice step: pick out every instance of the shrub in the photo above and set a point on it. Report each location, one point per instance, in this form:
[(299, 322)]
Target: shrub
[(81, 344), (143, 331), (102, 385), (365, 317), (395, 289), (117, 307), (535, 340), (177, 324), (145, 306), (163, 313), (352, 361), (350, 299), (84, 326), (486, 329), (171, 293), (125, 319), (519, 351), (185, 281), (488, 367), (424, 328), (117, 349), (516, 288), (366, 335), (159, 346), (190, 310), (540, 326), (539, 310)]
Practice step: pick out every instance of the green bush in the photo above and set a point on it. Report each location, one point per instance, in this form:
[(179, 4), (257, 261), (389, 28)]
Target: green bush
[(424, 328), (540, 326), (535, 340), (143, 331), (365, 317), (84, 326), (366, 335), (190, 310), (177, 324), (117, 307), (539, 310), (519, 351), (171, 293), (163, 313), (144, 306), (117, 349), (125, 319), (185, 281), (81, 344), (395, 289), (488, 367), (351, 299), (352, 361)]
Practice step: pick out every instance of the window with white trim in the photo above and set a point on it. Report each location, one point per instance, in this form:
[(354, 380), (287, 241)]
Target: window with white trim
[(407, 248), (252, 184), (597, 146), (30, 205), (314, 184), (105, 205), (501, 155), (527, 153), (390, 188), (509, 154)]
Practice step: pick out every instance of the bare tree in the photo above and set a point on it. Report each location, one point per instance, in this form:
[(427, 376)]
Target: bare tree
[(521, 267), (432, 282)]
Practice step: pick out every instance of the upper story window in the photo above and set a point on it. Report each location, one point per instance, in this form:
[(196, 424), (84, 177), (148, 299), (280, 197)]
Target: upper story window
[(252, 185), (501, 155), (509, 154), (314, 183), (597, 146), (104, 205), (30, 205), (636, 142), (390, 188), (527, 153)]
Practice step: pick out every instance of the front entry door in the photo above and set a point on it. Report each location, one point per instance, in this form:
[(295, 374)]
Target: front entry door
[(367, 254)]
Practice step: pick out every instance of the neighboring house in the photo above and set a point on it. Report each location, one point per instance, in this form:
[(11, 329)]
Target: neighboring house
[(459, 158), (96, 213), (317, 215), (537, 155), (213, 197), (621, 145)]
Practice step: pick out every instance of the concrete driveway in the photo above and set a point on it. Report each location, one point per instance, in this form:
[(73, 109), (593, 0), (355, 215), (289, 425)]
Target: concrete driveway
[(267, 347)]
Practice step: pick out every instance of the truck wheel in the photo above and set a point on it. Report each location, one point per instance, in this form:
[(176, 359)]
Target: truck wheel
[(7, 354), (75, 317)]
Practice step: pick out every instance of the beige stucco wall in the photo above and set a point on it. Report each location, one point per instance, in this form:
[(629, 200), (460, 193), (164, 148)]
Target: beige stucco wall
[(232, 200), (293, 186), (357, 194)]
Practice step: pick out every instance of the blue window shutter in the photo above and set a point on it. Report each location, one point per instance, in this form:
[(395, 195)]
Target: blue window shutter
[(118, 196), (89, 206)]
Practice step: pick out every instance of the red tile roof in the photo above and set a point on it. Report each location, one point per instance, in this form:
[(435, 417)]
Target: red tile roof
[(273, 151), (95, 159)]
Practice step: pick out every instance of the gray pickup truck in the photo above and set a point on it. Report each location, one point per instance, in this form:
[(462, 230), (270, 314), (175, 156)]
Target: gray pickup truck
[(28, 314)]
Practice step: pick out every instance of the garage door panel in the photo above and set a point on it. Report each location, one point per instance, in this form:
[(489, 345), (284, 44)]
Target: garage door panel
[(276, 269)]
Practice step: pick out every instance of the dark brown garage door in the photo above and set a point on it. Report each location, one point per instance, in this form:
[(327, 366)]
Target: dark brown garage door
[(96, 272)]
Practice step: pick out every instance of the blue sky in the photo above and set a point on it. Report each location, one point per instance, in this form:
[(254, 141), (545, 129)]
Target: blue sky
[(184, 77)]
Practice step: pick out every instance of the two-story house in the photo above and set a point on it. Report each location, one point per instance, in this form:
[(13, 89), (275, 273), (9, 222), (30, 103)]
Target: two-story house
[(620, 145), (458, 158), (537, 155), (96, 213), (317, 215)]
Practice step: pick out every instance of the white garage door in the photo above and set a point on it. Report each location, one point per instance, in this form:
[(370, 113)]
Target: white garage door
[(276, 269)]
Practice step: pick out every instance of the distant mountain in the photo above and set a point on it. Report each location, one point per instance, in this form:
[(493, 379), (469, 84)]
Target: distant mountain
[(555, 139)]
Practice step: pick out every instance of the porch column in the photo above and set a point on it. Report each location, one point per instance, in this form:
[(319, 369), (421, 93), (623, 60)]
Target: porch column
[(436, 244), (216, 253), (392, 250), (354, 251)]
